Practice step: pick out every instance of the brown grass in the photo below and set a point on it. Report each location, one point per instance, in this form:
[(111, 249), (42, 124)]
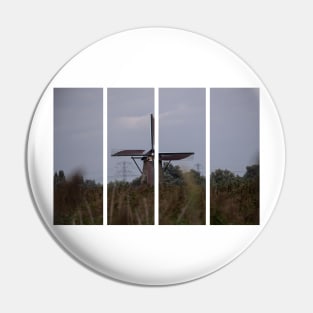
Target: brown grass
[(77, 204), (179, 204), (182, 204), (130, 205), (239, 206)]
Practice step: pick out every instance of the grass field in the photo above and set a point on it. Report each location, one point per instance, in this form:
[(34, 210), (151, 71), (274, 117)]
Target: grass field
[(130, 205), (77, 202), (235, 200), (181, 201)]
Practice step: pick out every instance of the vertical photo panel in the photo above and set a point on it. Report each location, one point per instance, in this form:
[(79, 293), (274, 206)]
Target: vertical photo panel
[(78, 156), (234, 156), (130, 189), (182, 158)]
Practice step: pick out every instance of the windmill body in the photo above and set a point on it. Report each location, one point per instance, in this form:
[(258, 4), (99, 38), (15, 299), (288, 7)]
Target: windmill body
[(147, 157)]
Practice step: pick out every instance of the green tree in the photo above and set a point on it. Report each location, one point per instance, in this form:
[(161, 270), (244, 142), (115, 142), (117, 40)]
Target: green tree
[(222, 179), (252, 172), (173, 175)]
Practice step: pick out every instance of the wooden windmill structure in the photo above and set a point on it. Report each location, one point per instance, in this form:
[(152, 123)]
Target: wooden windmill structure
[(147, 156)]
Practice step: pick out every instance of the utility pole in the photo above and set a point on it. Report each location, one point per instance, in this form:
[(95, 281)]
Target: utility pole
[(122, 170), (198, 165)]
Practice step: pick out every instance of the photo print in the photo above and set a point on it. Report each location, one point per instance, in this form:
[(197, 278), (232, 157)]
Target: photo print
[(78, 156), (182, 156), (130, 140), (234, 156)]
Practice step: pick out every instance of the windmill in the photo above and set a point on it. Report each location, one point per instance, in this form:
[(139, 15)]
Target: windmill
[(147, 171)]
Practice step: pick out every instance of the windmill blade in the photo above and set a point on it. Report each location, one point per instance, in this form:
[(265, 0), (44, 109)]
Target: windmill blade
[(152, 131), (129, 153), (168, 156), (149, 153)]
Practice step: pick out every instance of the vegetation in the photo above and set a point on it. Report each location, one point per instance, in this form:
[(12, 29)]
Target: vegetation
[(235, 200), (130, 203), (181, 200), (181, 197), (77, 201)]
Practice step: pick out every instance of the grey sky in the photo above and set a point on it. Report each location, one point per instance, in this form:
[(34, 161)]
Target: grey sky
[(182, 124), (78, 131), (78, 127), (128, 113), (234, 131)]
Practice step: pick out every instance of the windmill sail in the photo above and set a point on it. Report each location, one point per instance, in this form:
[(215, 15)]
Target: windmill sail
[(169, 156), (152, 131), (129, 153), (147, 157)]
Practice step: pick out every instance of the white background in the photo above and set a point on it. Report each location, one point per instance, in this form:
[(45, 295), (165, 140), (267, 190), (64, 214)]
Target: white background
[(275, 273)]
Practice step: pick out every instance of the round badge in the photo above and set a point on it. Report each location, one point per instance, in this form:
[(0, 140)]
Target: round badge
[(155, 156)]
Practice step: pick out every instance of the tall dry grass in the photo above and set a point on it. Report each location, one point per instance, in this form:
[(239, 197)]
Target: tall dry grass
[(181, 202), (76, 203), (238, 205), (184, 203), (130, 205)]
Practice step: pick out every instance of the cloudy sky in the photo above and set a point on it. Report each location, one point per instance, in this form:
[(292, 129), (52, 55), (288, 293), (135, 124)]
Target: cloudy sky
[(181, 125), (78, 131), (234, 131), (78, 128), (128, 113)]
